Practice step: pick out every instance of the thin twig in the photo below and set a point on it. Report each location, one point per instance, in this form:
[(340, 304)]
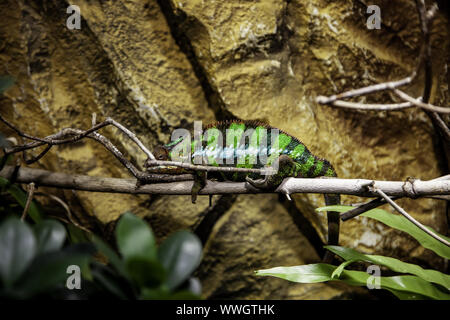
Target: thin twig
[(366, 90), (375, 203), (30, 193), (420, 104), (369, 106), (410, 218), (66, 208)]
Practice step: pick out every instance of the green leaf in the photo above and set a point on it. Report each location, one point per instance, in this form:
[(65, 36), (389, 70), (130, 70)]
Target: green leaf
[(309, 273), (49, 270), (17, 249), (134, 238), (338, 271), (50, 235), (5, 83), (321, 272), (21, 198), (402, 224), (146, 272), (393, 264), (160, 293), (180, 254), (112, 257), (76, 235)]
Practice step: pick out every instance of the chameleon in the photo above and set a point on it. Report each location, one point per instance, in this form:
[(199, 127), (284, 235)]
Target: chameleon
[(242, 147)]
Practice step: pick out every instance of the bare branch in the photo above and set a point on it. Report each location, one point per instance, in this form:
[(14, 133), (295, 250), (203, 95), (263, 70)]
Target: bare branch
[(356, 187), (66, 208), (419, 103), (366, 90), (367, 106), (410, 218), (31, 188)]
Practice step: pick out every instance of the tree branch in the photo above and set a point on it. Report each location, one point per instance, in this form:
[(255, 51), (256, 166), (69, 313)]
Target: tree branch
[(358, 187)]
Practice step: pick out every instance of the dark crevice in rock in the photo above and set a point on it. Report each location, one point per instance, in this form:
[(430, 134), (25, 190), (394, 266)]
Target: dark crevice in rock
[(176, 22), (212, 215), (303, 225)]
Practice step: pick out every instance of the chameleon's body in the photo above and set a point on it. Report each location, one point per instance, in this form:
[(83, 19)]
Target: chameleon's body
[(242, 140)]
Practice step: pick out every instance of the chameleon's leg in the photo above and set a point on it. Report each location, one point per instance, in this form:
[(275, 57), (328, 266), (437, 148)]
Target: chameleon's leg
[(199, 183), (333, 225), (286, 168), (259, 183)]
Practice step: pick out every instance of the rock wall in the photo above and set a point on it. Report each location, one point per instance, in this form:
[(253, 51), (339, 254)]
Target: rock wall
[(159, 65)]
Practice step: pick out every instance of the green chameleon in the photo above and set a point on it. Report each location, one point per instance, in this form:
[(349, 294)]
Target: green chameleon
[(236, 143)]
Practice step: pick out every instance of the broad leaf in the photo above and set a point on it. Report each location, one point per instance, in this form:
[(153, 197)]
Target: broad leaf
[(49, 270), (338, 271), (321, 272), (17, 249), (112, 257), (106, 278), (134, 238), (393, 264), (180, 254), (50, 235), (146, 272), (401, 223)]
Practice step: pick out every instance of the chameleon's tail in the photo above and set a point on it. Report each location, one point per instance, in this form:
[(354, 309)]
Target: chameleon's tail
[(333, 225)]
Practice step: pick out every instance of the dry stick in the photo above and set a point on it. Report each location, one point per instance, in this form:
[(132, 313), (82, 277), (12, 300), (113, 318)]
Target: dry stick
[(366, 90), (380, 201), (375, 203), (356, 187), (158, 164), (419, 103), (367, 106), (31, 188), (66, 208), (410, 218)]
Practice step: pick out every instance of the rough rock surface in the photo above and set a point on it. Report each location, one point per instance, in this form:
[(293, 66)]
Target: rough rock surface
[(159, 65)]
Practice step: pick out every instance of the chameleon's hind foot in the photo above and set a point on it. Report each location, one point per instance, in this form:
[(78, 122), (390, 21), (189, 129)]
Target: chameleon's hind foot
[(259, 183)]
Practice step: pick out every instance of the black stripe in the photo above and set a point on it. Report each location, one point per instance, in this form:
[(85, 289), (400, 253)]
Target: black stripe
[(313, 168), (291, 146), (325, 167)]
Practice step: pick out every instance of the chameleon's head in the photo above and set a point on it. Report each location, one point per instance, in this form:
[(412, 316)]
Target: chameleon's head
[(161, 153)]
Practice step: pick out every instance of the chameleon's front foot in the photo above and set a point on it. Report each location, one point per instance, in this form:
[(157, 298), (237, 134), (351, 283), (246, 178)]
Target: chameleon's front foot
[(199, 183)]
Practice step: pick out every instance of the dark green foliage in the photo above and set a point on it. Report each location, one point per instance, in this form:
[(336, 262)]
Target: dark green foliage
[(145, 271), (412, 282), (35, 259)]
